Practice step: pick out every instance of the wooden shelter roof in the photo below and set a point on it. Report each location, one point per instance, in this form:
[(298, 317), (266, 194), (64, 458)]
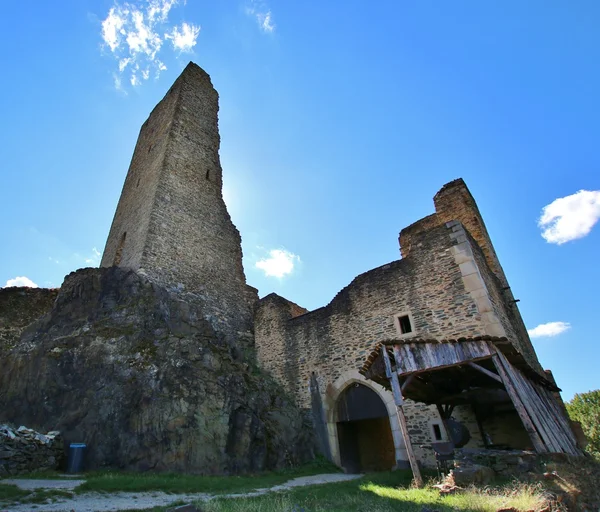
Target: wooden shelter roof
[(420, 355)]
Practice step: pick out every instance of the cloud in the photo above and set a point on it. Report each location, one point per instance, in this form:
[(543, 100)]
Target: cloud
[(20, 281), (94, 258), (134, 32), (186, 39), (259, 10), (571, 217), (280, 263), (549, 329)]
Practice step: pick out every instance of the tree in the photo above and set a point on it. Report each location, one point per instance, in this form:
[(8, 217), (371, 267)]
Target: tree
[(585, 408)]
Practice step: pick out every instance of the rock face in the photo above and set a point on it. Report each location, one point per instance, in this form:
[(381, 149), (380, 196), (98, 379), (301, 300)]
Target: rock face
[(19, 306), (142, 378), (23, 450)]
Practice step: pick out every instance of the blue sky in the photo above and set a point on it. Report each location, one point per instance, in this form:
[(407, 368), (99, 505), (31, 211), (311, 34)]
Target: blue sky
[(339, 122)]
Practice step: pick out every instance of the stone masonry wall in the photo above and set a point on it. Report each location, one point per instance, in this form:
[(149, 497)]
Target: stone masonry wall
[(454, 202), (128, 233), (179, 232), (328, 341), (506, 311)]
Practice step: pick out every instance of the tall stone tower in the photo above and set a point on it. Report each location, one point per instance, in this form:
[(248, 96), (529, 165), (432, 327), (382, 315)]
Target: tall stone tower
[(171, 223)]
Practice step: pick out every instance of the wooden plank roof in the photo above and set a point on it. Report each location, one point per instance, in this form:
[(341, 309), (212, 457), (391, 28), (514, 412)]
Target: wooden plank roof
[(427, 354)]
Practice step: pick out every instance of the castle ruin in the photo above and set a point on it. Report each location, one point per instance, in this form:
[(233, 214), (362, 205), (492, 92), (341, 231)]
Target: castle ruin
[(150, 359)]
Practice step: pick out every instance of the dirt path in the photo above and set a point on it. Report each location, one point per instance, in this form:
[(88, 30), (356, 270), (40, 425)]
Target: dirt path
[(97, 502)]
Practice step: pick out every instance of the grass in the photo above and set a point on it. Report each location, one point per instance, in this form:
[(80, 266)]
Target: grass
[(11, 494), (377, 492), (384, 492), (112, 481)]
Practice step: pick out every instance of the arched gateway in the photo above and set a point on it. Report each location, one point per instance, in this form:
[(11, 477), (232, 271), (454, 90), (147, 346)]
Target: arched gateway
[(364, 432), (363, 426)]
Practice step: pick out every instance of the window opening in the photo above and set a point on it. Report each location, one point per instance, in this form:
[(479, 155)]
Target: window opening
[(404, 322), (437, 432)]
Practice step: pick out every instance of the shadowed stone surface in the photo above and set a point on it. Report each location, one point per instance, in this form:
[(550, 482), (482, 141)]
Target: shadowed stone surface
[(138, 374)]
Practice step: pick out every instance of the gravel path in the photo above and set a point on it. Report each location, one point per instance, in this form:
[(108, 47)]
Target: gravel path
[(97, 502)]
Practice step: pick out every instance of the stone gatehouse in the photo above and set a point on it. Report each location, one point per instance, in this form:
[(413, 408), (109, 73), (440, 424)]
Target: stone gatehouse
[(448, 284)]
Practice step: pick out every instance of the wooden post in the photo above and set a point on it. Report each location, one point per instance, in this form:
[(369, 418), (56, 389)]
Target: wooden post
[(395, 383), (516, 400)]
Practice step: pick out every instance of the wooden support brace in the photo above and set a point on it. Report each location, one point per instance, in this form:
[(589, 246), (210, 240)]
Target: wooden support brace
[(395, 383), (407, 381), (484, 371), (517, 402)]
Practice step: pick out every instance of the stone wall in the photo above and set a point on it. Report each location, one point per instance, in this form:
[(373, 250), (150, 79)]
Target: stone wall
[(171, 223), (24, 450), (325, 343), (504, 463), (449, 282), (454, 203)]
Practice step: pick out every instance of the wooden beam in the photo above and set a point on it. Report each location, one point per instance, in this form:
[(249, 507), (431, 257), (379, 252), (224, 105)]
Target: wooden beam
[(395, 383), (408, 381), (521, 411), (484, 371)]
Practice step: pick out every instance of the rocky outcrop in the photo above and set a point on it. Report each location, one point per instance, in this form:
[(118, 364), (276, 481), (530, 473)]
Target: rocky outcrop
[(19, 306), (140, 376), (24, 450)]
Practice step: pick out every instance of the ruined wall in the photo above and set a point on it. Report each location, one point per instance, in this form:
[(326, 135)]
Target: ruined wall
[(453, 203), (428, 284), (325, 343), (171, 223)]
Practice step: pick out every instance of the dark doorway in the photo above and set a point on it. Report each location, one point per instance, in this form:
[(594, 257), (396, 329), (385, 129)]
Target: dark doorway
[(364, 433)]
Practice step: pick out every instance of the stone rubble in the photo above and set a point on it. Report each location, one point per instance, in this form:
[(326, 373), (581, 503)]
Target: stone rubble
[(24, 450)]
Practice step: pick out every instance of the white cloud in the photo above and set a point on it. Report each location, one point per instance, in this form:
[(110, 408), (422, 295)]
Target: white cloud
[(261, 12), (20, 281), (94, 258), (280, 263), (549, 329), (112, 27), (135, 32), (571, 217), (185, 39)]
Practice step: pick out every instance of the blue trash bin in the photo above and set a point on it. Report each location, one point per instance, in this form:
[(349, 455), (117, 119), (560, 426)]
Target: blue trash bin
[(76, 456)]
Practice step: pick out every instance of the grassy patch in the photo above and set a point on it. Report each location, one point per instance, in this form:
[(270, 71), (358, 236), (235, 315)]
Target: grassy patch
[(113, 481), (383, 492), (11, 495)]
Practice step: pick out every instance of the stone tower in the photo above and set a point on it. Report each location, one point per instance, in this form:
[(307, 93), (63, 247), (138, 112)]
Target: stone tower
[(171, 223)]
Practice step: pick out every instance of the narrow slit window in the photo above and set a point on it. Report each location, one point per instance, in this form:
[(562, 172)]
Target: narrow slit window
[(437, 432), (208, 175), (405, 326)]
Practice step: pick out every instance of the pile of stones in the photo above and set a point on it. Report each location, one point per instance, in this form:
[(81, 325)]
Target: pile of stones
[(24, 450)]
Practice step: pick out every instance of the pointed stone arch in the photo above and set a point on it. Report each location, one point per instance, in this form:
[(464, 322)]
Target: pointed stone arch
[(335, 391)]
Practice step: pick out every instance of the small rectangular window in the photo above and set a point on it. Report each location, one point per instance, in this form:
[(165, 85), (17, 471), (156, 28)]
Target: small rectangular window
[(404, 322), (437, 432)]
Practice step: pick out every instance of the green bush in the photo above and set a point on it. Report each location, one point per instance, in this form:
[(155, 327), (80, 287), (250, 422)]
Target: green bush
[(585, 408)]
